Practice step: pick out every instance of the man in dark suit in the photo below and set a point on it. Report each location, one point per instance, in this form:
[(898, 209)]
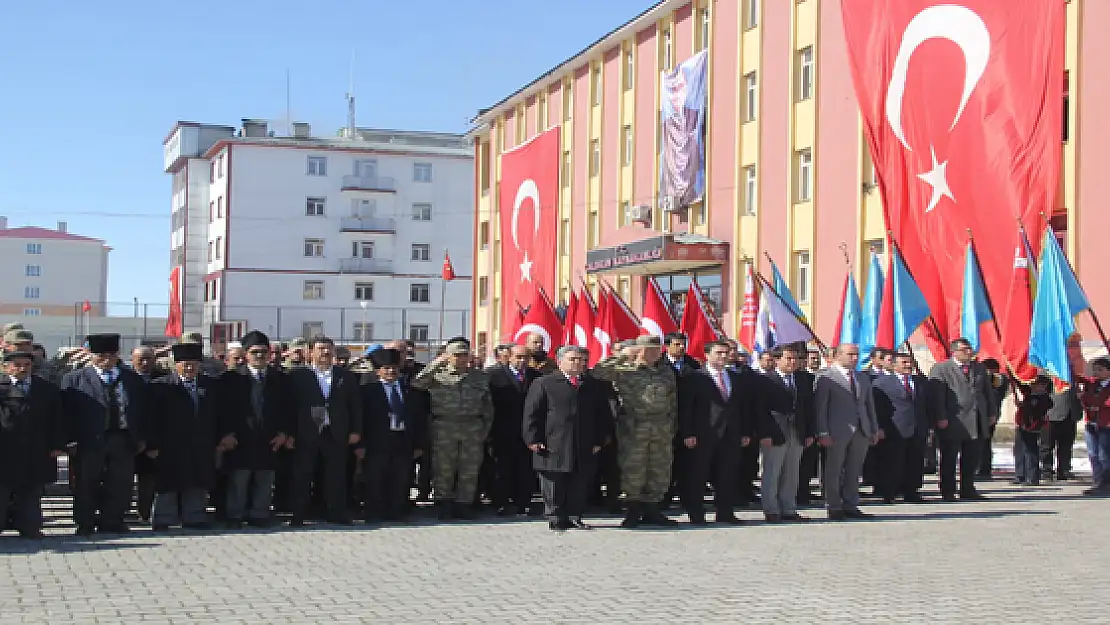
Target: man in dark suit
[(182, 439), (328, 417), (964, 413), (422, 466), (684, 366), (255, 420), (565, 414), (515, 477), (106, 408), (394, 431), (846, 427), (784, 431), (902, 408), (32, 436), (717, 414)]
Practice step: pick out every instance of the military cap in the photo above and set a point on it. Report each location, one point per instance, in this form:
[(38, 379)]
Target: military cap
[(187, 351), (298, 344), (456, 347), (12, 326), (193, 337), (13, 355), (622, 345), (458, 339), (18, 336), (649, 340), (103, 343), (386, 358), (254, 338)]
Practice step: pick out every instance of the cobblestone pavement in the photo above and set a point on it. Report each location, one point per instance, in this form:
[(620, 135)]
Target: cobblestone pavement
[(1031, 555)]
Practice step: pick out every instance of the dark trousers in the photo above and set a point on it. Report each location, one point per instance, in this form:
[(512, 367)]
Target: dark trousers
[(515, 481), (24, 504), (1030, 444), (608, 474), (900, 464), (331, 455), (387, 475), (249, 492), (748, 472), (423, 466), (965, 452), (487, 476), (813, 460), (105, 475), (711, 460), (1057, 441), (144, 495), (564, 493), (283, 481), (986, 455)]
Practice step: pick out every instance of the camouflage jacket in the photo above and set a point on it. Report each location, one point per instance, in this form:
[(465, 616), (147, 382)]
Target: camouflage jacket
[(456, 394), (646, 391)]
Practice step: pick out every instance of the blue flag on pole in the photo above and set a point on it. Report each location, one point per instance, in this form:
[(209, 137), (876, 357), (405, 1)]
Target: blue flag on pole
[(872, 304), (910, 307), (1059, 299), (784, 292), (975, 309), (848, 328)]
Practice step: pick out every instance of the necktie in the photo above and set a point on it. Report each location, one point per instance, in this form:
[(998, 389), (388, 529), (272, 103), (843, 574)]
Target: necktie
[(852, 383), (574, 382), (520, 376), (23, 387), (192, 388), (967, 371), (396, 408), (719, 377), (909, 387)]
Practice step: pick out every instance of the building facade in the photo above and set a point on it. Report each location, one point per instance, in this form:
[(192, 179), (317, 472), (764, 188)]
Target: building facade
[(787, 169), (303, 236), (50, 273)]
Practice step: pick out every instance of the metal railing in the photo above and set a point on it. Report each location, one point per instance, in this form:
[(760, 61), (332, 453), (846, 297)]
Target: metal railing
[(366, 265), (368, 224), (347, 324), (368, 183)]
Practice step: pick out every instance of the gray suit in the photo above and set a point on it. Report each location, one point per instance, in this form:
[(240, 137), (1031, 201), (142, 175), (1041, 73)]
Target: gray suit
[(965, 401), (851, 423)]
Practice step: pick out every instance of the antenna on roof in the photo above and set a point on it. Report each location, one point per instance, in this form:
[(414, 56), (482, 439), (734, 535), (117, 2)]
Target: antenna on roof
[(288, 104), (351, 98)]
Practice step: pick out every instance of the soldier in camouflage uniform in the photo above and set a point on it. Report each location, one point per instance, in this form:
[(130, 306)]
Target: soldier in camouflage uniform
[(647, 388), (296, 356), (461, 417), (22, 340)]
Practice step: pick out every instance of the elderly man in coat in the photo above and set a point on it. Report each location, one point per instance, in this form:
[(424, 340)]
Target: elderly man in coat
[(965, 413)]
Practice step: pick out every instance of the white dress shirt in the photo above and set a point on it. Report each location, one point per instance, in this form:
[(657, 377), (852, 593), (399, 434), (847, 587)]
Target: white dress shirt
[(323, 378)]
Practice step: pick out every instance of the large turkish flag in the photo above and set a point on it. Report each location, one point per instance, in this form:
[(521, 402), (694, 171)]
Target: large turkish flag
[(962, 104), (529, 205)]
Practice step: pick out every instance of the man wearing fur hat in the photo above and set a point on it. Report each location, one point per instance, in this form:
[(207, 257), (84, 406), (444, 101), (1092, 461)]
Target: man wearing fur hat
[(106, 411)]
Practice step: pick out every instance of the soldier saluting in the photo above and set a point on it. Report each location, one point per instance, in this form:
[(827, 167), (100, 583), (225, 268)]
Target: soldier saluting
[(461, 417)]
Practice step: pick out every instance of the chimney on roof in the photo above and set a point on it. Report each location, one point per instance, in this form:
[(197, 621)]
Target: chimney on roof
[(255, 128), (3, 223), (63, 227), (301, 130)]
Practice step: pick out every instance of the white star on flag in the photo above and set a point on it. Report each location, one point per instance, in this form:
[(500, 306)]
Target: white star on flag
[(526, 268), (937, 178)]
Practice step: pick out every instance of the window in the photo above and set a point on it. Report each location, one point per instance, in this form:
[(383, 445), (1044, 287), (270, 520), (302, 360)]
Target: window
[(31, 292), (314, 206), (312, 329), (751, 101), (314, 248), (564, 236), (625, 219), (421, 212), (211, 212), (422, 172), (667, 49), (317, 166), (362, 249), (565, 173), (629, 68), (220, 166), (211, 251), (313, 289), (805, 73), (568, 100), (700, 216), (33, 271), (520, 125), (703, 43), (624, 289), (483, 235), (418, 333), (483, 165), (626, 146), (749, 190), (419, 293), (219, 208), (34, 248), (595, 157), (801, 276), (362, 331), (364, 291), (219, 247), (805, 175), (32, 312), (212, 172), (595, 229), (595, 85), (751, 13), (877, 247), (483, 290), (541, 112), (421, 251), (1067, 106)]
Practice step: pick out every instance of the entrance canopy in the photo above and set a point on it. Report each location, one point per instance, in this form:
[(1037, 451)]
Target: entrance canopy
[(667, 253)]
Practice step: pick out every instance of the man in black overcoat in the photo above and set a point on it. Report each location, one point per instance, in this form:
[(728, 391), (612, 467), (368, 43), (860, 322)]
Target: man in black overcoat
[(516, 480)]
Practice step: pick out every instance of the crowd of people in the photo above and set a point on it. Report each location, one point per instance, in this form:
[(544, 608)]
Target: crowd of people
[(304, 432)]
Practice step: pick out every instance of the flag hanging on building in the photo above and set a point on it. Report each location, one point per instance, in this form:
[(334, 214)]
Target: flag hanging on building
[(174, 320), (542, 319), (448, 268), (657, 319), (697, 325), (975, 309), (749, 313), (962, 107), (1059, 299), (872, 309), (849, 317), (682, 101)]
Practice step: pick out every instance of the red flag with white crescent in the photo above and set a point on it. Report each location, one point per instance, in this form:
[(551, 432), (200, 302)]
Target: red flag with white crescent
[(657, 319), (174, 320), (696, 323), (615, 323), (568, 320), (448, 268), (962, 106), (529, 193), (541, 319), (749, 312)]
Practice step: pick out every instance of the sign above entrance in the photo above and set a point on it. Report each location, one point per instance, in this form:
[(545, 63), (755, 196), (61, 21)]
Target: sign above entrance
[(666, 253)]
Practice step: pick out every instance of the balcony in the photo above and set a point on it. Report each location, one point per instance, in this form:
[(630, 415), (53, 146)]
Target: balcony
[(368, 224), (378, 184), (366, 265)]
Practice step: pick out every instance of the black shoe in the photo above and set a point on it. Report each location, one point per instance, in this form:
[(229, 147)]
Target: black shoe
[(340, 520), (795, 518), (888, 500), (463, 511), (296, 522), (444, 511), (652, 516), (262, 523), (949, 497), (560, 525), (234, 524), (114, 529), (856, 513), (160, 527), (698, 520), (579, 525), (728, 519), (836, 515), (913, 499), (973, 496), (631, 516), (84, 531), (508, 511), (32, 535), (203, 525)]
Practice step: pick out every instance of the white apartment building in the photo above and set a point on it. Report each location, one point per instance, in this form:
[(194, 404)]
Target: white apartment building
[(301, 236), (50, 272)]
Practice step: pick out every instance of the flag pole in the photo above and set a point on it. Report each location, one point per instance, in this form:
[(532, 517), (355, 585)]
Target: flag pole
[(1090, 308), (932, 318), (442, 306), (767, 285)]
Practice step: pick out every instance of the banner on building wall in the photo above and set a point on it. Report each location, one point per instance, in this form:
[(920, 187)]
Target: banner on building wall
[(682, 102)]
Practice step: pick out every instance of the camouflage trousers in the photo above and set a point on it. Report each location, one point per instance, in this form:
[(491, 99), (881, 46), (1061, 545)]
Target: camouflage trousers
[(458, 447), (644, 456)]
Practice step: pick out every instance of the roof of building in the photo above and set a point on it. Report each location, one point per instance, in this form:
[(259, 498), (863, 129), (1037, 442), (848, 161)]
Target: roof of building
[(34, 232), (367, 139)]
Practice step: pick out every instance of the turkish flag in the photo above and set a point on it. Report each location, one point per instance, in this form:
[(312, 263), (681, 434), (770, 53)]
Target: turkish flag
[(568, 320), (174, 320), (749, 312), (448, 268), (962, 107), (541, 318), (657, 318), (696, 324), (615, 323), (580, 327), (529, 205)]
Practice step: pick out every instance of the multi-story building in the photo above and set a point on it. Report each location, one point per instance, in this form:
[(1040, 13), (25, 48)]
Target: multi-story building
[(787, 169), (51, 273), (301, 236)]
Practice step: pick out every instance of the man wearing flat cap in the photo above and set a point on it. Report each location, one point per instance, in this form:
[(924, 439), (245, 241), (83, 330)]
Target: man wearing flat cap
[(32, 436), (182, 440), (461, 418), (105, 405), (22, 341)]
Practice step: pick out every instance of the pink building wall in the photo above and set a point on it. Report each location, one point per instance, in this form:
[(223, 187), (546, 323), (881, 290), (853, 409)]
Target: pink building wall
[(775, 97), (1090, 128), (724, 127), (530, 118), (609, 202), (554, 106), (510, 131), (645, 121), (580, 161)]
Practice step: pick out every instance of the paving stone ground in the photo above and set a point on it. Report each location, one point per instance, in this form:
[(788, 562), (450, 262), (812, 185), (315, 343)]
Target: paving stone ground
[(1028, 555)]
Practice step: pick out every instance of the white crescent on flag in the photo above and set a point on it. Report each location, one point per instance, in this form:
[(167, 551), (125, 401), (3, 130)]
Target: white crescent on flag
[(650, 325), (529, 328)]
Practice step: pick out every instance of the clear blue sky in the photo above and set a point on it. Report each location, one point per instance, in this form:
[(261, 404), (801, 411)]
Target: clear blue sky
[(89, 89)]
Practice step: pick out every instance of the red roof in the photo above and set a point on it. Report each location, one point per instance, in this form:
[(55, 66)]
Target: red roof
[(34, 232)]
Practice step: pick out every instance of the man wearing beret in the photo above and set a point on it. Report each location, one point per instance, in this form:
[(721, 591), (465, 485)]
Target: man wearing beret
[(461, 418), (106, 409), (32, 436)]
